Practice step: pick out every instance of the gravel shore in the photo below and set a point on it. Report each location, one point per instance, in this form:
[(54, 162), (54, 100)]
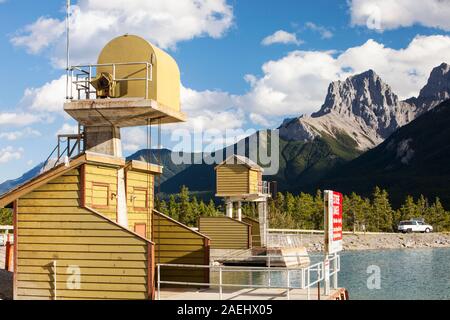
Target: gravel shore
[(314, 243)]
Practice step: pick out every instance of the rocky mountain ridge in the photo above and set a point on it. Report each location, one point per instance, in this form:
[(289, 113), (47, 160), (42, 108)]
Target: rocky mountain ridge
[(366, 109)]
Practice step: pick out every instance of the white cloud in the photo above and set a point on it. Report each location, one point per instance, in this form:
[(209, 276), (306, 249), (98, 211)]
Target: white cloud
[(324, 32), (68, 129), (18, 119), (94, 22), (298, 82), (48, 98), (40, 34), (133, 139), (392, 14), (210, 110), (282, 37), (9, 153), (19, 134), (293, 85), (260, 120)]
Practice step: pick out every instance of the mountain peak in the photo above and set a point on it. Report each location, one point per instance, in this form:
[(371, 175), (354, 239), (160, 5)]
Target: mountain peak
[(438, 85), (357, 95)]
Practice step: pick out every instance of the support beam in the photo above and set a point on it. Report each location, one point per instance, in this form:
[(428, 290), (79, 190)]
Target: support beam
[(239, 210), (104, 140), (229, 210), (122, 212), (262, 213)]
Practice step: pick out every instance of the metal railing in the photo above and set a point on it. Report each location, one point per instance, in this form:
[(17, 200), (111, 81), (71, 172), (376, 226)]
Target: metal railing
[(307, 277), (69, 145), (6, 235), (82, 75), (264, 187), (308, 231)]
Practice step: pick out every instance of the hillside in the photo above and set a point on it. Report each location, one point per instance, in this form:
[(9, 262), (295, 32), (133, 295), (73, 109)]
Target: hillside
[(358, 114), (414, 160)]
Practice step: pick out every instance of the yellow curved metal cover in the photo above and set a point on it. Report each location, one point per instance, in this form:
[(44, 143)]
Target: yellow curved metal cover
[(165, 85)]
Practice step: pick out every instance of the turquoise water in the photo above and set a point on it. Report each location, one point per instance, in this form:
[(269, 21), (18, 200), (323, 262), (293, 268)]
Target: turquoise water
[(416, 274)]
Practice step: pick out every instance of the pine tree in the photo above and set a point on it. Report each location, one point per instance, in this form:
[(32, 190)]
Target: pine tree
[(382, 211), (185, 211), (6, 217), (162, 207), (173, 209), (437, 216), (409, 209), (211, 209), (318, 214)]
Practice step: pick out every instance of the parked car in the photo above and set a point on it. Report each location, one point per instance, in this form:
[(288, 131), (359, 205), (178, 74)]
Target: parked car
[(414, 226)]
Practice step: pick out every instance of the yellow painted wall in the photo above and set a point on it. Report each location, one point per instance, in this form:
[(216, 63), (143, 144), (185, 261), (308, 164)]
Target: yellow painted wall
[(140, 186), (256, 236), (232, 180), (253, 181), (165, 86), (101, 181), (178, 244), (51, 225), (225, 233)]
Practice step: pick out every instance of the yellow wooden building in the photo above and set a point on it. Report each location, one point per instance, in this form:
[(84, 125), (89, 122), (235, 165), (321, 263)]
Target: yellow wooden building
[(86, 228), (68, 216), (238, 179)]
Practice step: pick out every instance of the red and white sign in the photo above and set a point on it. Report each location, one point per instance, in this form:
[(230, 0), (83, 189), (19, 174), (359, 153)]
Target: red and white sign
[(333, 221)]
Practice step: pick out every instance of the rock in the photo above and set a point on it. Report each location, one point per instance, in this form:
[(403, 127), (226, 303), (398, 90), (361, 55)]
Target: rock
[(366, 109)]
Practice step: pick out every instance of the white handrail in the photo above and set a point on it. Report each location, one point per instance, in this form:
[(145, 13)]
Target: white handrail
[(304, 273)]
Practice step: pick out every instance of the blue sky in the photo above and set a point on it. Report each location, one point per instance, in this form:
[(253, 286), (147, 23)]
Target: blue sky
[(230, 79)]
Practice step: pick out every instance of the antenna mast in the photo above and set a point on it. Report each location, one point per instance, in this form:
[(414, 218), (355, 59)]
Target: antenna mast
[(67, 49)]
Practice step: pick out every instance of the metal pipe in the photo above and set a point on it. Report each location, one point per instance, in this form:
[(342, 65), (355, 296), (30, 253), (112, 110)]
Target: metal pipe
[(67, 48), (308, 291), (89, 83), (146, 82)]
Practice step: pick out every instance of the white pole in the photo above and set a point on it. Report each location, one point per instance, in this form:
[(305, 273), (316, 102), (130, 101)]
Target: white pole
[(326, 264), (335, 270), (67, 48), (239, 210), (229, 208)]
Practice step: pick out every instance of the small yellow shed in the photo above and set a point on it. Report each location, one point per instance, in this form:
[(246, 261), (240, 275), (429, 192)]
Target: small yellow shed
[(238, 176)]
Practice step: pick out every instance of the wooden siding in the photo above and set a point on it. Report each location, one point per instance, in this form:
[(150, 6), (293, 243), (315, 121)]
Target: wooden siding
[(176, 243), (101, 181), (256, 236), (139, 188), (232, 180), (51, 226), (226, 233), (254, 181)]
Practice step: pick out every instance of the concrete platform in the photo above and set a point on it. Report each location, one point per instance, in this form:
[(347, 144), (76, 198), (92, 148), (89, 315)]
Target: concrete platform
[(245, 294), (121, 112)]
